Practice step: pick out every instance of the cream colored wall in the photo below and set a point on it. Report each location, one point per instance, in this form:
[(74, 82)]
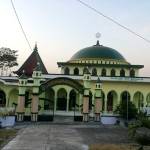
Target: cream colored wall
[(7, 89), (120, 87), (13, 97)]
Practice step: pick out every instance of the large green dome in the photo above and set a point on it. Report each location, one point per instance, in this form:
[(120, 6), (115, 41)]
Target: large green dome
[(98, 52)]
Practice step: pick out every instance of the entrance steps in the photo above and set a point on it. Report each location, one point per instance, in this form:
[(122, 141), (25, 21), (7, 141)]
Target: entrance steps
[(69, 120), (63, 119)]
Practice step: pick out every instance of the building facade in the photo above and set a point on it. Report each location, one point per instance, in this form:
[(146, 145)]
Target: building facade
[(91, 84)]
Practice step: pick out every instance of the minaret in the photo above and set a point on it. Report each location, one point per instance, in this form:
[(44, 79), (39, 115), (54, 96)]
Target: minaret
[(21, 97), (87, 86), (98, 99)]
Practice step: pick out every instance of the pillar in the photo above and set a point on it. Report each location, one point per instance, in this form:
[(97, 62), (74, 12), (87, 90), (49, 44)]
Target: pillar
[(55, 101), (67, 108), (105, 105), (34, 107), (85, 108), (20, 108), (80, 101), (98, 108)]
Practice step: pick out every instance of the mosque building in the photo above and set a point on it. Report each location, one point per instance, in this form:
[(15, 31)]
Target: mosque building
[(91, 84)]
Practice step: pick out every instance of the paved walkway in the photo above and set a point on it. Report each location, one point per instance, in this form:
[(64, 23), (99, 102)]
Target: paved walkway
[(65, 137)]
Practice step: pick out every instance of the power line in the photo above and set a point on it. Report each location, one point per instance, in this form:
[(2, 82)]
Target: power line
[(112, 20), (20, 25)]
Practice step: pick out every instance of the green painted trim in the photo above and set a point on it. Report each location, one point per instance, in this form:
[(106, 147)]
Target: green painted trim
[(100, 65), (35, 94), (98, 97), (21, 94), (20, 113), (34, 113), (86, 95), (62, 81)]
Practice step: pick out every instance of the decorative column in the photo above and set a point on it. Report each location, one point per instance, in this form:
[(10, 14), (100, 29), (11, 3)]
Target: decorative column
[(67, 108), (34, 107), (37, 76), (55, 101), (86, 80), (98, 99), (105, 104), (21, 97)]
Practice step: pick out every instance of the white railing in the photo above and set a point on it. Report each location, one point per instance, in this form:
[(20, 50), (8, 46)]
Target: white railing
[(145, 110)]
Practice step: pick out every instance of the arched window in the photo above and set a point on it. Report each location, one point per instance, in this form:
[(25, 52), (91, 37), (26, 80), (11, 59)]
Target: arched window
[(94, 72), (49, 99), (125, 96), (110, 102), (103, 72), (62, 99), (72, 100), (132, 73), (2, 99), (122, 73), (76, 71), (113, 73), (67, 71), (138, 99)]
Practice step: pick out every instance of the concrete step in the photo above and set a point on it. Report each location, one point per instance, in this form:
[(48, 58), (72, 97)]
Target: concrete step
[(63, 119)]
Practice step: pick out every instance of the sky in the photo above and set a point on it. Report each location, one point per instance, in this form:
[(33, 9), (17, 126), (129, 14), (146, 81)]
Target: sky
[(63, 27)]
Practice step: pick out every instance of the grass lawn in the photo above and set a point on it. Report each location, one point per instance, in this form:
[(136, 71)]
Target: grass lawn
[(112, 147), (6, 135)]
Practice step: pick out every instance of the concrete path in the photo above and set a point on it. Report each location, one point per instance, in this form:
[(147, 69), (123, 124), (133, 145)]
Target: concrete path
[(65, 137)]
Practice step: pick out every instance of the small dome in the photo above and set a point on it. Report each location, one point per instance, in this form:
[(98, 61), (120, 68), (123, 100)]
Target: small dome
[(98, 52)]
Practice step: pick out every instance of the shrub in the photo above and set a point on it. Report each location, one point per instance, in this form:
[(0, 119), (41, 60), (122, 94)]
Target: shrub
[(122, 110), (143, 140), (146, 123)]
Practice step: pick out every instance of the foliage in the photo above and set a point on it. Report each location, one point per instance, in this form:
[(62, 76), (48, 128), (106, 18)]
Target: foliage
[(122, 110), (133, 127), (145, 122), (8, 59), (143, 140), (142, 137), (7, 112), (5, 135)]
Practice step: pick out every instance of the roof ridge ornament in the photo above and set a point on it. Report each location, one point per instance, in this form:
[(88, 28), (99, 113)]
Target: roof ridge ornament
[(35, 47)]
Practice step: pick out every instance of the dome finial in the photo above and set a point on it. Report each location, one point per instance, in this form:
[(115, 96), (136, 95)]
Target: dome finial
[(97, 35)]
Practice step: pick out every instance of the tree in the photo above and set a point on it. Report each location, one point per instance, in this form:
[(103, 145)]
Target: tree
[(8, 59), (122, 110)]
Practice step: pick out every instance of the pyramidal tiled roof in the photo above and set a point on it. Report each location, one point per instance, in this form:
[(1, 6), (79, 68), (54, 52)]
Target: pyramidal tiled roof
[(31, 63)]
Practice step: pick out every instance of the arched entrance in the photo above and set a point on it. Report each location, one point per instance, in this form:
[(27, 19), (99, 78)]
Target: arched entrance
[(111, 101), (72, 99), (138, 100), (61, 99), (28, 99), (125, 96), (148, 100), (13, 98), (90, 101), (2, 99), (49, 99), (103, 101)]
